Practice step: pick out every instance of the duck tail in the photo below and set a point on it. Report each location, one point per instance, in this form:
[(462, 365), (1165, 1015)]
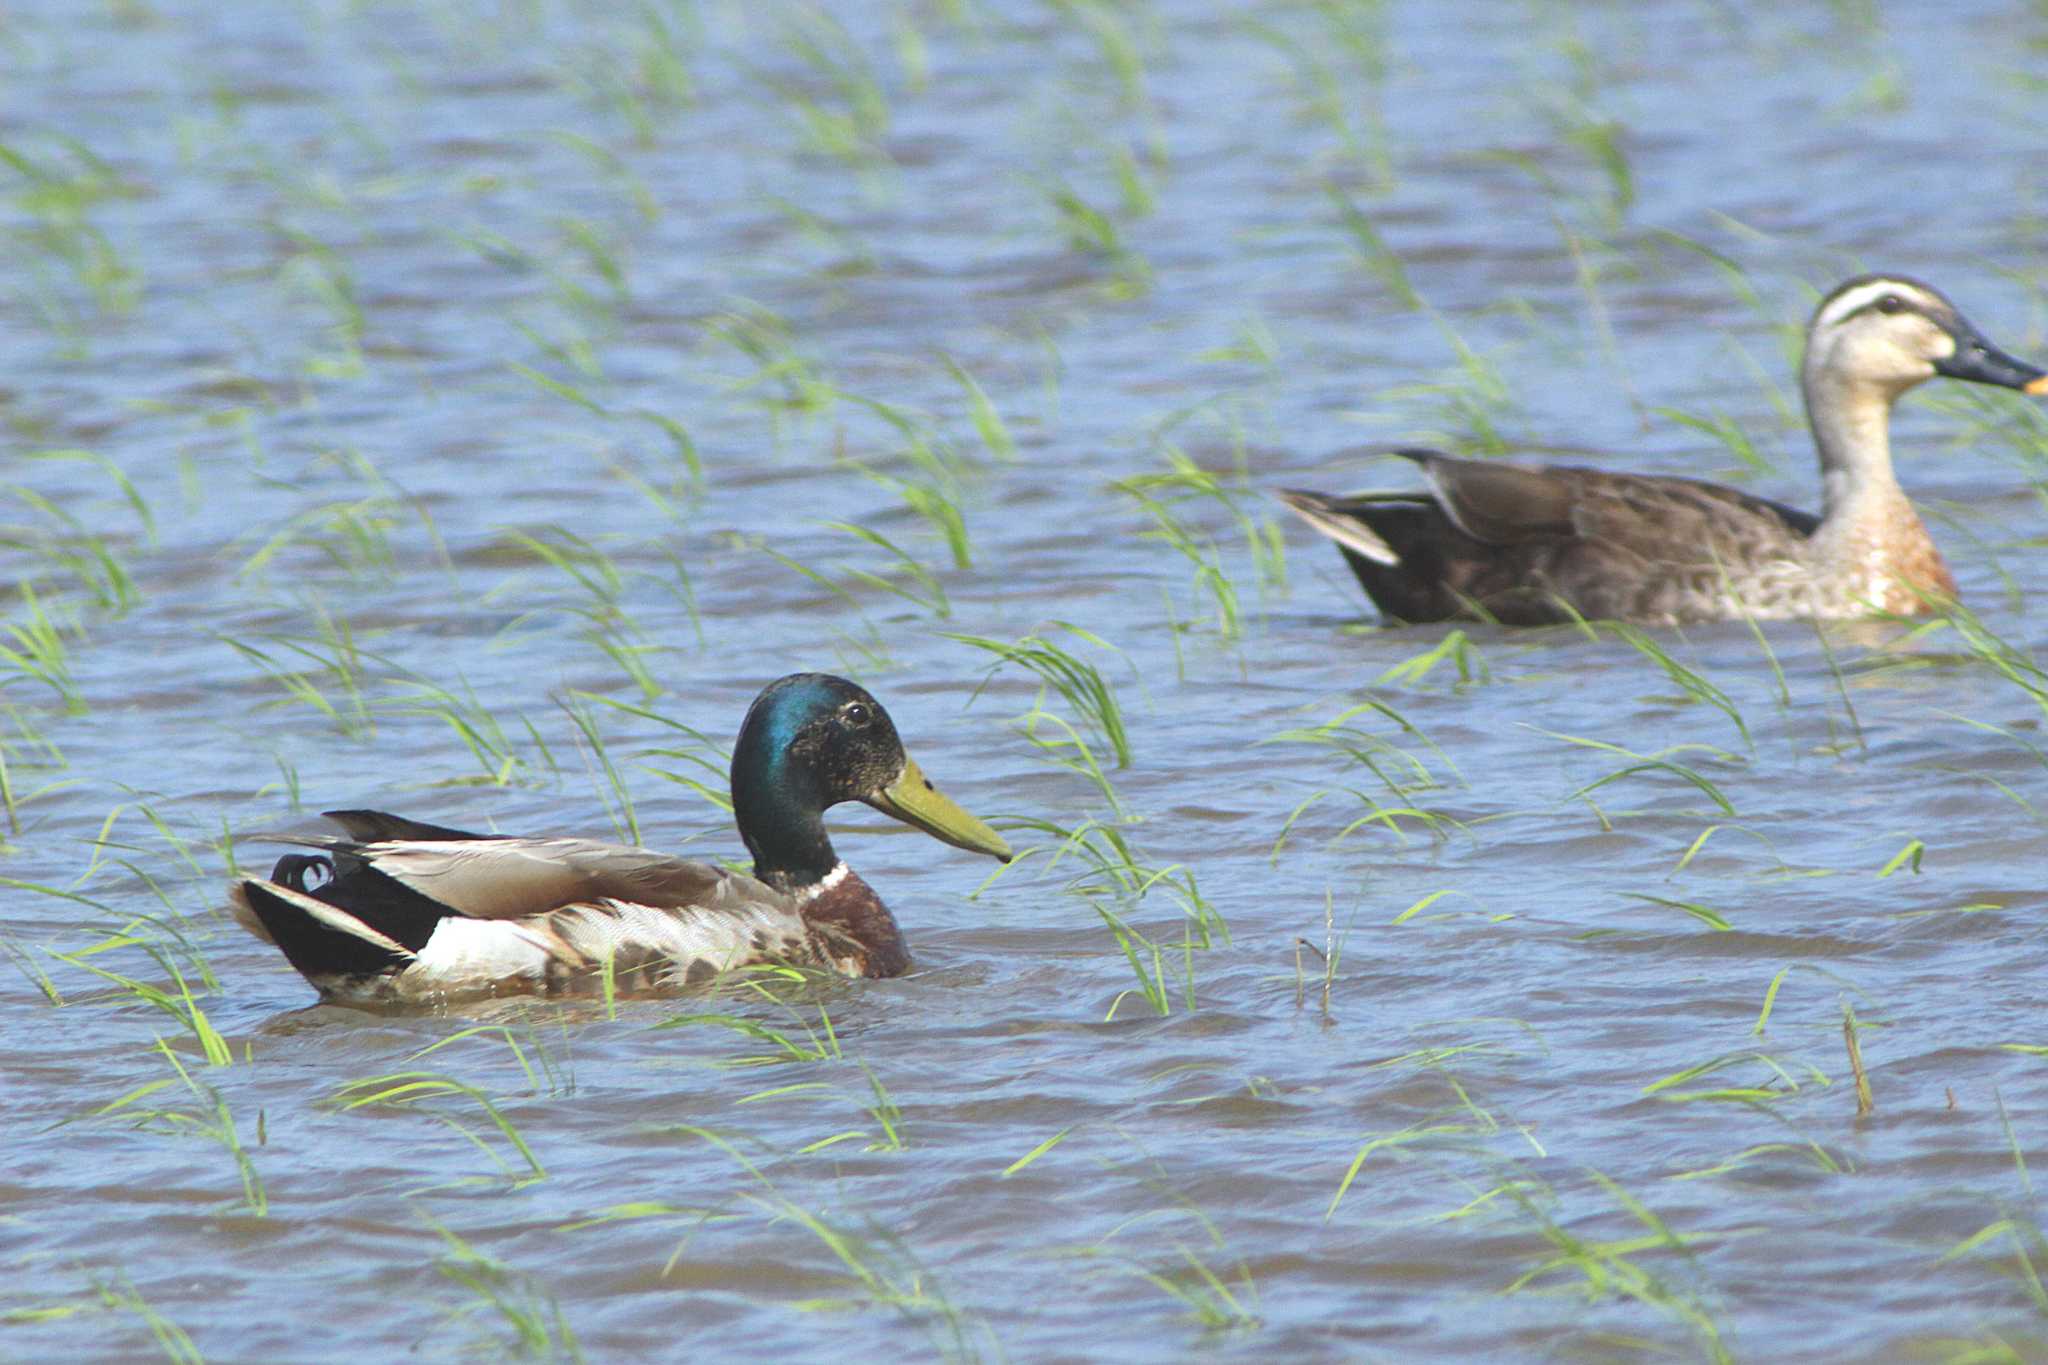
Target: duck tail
[(323, 940), (1341, 520)]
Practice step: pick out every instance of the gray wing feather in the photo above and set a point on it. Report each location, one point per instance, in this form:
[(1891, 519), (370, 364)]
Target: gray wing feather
[(517, 878)]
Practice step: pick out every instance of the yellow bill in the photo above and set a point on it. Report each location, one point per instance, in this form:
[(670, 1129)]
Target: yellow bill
[(913, 799)]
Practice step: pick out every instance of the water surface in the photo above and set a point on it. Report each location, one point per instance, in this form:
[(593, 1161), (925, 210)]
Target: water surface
[(477, 365)]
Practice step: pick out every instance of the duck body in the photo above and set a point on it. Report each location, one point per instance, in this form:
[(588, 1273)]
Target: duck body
[(1537, 544), (398, 911), (1554, 543)]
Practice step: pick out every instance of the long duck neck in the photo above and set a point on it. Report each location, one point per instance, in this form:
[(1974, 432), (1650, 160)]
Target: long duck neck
[(1851, 423), (782, 821), (1871, 545)]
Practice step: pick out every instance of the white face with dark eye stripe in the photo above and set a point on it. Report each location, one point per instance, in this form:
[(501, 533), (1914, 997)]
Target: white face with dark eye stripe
[(1883, 331)]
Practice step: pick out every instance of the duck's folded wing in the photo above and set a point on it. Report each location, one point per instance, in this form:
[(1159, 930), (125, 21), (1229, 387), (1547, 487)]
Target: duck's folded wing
[(1649, 518), (1500, 503), (517, 878)]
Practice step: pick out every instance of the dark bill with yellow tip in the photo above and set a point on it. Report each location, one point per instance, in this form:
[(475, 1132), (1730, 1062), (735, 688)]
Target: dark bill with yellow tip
[(913, 799), (1977, 360)]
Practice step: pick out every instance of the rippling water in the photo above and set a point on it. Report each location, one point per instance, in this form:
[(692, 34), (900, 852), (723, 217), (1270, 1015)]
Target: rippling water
[(475, 366)]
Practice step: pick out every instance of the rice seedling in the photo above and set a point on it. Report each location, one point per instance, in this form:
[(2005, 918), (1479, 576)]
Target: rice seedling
[(1200, 552), (82, 559), (1402, 773), (1455, 645), (1865, 1103), (1216, 1305), (1808, 1154), (120, 1296), (454, 1103), (1728, 432), (1080, 684), (26, 753), (1600, 1269), (317, 272), (332, 686), (1114, 880), (540, 1070), (1036, 1152), (181, 848), (1463, 403), (878, 1269), (1327, 955), (1212, 1301), (675, 480), (600, 257), (1371, 251), (613, 166), (172, 951), (40, 651), (57, 188), (1694, 685), (849, 119), (1253, 344), (210, 1119), (32, 970), (912, 581), (1780, 1080), (499, 756), (1116, 45), (599, 606), (1706, 915), (538, 1327), (852, 252), (2018, 1228), (886, 1113), (944, 463), (988, 422), (1090, 230), (644, 73), (1436, 1132), (82, 550), (1162, 494), (1339, 75), (611, 787), (690, 747), (793, 1039), (353, 535), (881, 1270), (2026, 1248), (1639, 764), (1571, 113), (783, 381)]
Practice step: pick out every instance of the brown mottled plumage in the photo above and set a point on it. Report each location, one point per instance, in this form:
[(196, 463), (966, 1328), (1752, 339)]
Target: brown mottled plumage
[(1531, 545)]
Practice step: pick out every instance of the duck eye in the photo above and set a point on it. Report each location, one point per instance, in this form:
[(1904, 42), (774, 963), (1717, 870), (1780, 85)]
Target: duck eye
[(1891, 303), (857, 713)]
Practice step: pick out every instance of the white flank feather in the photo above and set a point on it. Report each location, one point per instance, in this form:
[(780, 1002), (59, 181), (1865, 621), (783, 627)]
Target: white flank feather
[(463, 951)]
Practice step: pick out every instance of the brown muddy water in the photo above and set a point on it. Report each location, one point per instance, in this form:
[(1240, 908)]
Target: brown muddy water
[(463, 407)]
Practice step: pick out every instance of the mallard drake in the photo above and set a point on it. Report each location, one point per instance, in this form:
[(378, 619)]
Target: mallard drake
[(397, 910), (1533, 544)]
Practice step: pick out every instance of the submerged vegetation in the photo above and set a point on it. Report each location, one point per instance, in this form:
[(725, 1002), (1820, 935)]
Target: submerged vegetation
[(463, 407)]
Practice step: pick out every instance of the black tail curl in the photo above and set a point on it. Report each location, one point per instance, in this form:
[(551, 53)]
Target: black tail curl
[(303, 872)]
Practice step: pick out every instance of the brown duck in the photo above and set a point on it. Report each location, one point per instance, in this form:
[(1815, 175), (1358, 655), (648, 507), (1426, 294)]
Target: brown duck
[(402, 911), (1534, 544)]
